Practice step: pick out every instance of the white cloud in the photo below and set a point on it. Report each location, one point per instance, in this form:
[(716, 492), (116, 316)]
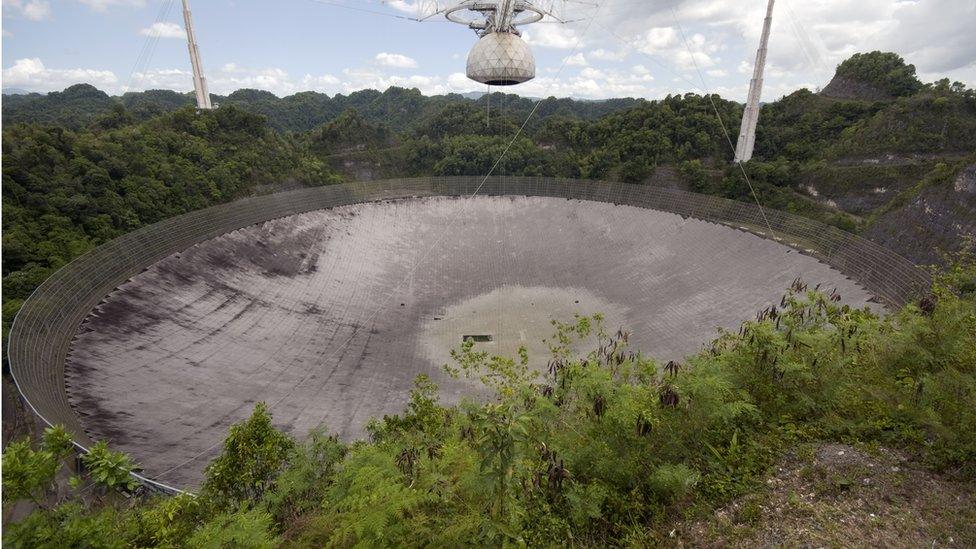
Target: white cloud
[(162, 79), (272, 79), (103, 5), (688, 60), (558, 37), (37, 10), (34, 10), (590, 73), (320, 83), (609, 55), (458, 81), (231, 77), (32, 75), (576, 60), (657, 40), (395, 60), (938, 36), (808, 38), (164, 30), (634, 48)]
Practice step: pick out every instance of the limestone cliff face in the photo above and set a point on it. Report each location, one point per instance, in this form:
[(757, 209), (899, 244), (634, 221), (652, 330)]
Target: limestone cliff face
[(940, 218), (842, 87)]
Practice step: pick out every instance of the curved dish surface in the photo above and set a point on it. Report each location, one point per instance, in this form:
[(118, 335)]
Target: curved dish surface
[(329, 316), (330, 309)]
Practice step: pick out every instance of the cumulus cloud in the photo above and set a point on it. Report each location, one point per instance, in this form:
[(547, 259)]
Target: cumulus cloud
[(104, 5), (31, 74), (161, 79), (647, 49), (164, 30), (395, 60), (232, 76), (938, 36), (576, 60), (34, 10), (553, 36), (808, 38), (658, 39), (416, 7), (602, 54)]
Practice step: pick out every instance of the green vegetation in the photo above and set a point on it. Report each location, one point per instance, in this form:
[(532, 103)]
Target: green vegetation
[(885, 71), (610, 448), (402, 109), (86, 167), (607, 448), (66, 191)]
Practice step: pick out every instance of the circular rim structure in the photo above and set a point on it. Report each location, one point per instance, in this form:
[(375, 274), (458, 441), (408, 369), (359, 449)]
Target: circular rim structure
[(43, 330), (451, 14)]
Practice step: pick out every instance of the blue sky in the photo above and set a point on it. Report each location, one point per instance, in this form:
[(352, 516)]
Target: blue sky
[(621, 48)]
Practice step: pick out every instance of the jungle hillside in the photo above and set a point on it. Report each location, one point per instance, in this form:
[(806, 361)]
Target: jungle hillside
[(813, 424)]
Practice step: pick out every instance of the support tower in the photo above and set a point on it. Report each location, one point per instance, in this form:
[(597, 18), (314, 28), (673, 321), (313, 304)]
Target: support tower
[(199, 80), (750, 118)]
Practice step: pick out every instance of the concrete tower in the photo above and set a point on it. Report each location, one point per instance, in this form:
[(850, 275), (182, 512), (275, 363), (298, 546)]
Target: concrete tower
[(199, 80), (750, 118)]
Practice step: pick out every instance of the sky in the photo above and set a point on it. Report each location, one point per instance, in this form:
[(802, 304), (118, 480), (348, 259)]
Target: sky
[(608, 48)]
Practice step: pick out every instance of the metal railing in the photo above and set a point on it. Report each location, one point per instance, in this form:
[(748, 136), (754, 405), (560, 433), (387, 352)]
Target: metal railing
[(44, 328)]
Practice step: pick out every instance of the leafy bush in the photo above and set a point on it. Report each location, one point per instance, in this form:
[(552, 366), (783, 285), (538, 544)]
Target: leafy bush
[(603, 448), (253, 455), (28, 473), (885, 70), (109, 468)]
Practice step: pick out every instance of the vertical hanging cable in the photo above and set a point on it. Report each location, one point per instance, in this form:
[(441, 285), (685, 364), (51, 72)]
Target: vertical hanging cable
[(488, 117), (149, 46)]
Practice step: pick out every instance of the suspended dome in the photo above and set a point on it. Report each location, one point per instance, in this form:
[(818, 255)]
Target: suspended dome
[(501, 59)]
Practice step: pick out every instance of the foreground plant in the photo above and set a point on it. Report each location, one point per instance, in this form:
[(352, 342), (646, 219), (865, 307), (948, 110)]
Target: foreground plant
[(601, 448)]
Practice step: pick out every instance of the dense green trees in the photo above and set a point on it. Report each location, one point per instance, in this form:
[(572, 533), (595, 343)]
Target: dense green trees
[(602, 449), (65, 191), (111, 167), (886, 71), (74, 107), (399, 108), (607, 448)]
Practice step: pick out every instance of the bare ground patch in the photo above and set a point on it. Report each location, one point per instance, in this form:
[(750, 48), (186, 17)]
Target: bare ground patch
[(833, 495)]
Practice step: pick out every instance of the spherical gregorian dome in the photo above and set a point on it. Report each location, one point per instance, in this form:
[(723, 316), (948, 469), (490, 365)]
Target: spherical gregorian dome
[(501, 59)]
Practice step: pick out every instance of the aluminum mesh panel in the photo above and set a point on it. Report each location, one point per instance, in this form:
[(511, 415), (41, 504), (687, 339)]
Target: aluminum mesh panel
[(47, 323)]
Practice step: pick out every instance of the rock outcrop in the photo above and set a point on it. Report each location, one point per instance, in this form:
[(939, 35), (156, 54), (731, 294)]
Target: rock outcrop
[(938, 220), (841, 87)]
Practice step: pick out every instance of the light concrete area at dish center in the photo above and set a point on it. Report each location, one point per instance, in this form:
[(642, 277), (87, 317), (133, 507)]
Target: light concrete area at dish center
[(330, 315)]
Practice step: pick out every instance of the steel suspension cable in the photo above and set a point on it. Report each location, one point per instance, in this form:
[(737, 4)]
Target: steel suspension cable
[(417, 263)]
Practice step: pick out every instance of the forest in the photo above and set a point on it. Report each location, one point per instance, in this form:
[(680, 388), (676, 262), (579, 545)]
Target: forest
[(610, 448), (80, 168)]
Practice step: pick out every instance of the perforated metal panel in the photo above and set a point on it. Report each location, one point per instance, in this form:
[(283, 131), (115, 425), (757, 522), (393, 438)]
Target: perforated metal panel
[(46, 325)]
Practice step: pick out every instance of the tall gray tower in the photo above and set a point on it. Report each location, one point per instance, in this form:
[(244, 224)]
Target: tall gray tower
[(199, 80), (750, 118)]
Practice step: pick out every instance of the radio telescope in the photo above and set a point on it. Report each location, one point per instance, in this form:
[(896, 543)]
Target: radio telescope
[(500, 57)]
